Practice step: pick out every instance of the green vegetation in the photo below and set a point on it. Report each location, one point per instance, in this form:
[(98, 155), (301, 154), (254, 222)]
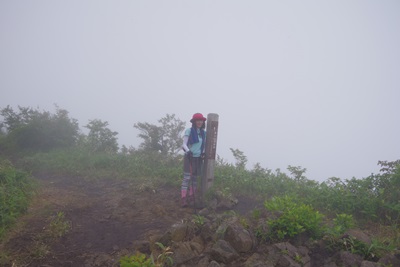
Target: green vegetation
[(164, 138), (198, 220), (137, 260), (58, 225), (39, 141), (141, 260), (32, 130), (295, 218), (15, 191)]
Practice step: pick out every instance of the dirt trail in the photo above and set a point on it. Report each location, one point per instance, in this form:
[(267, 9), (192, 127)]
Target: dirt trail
[(106, 217)]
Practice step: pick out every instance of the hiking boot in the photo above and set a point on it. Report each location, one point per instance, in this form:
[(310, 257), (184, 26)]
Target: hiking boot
[(183, 198), (184, 203)]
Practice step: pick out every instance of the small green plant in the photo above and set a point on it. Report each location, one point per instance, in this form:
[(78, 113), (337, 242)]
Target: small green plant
[(16, 188), (343, 222), (137, 260), (377, 249), (198, 220), (298, 259), (244, 222), (164, 258), (285, 252), (226, 192), (39, 250), (4, 258), (221, 230), (261, 233), (356, 247), (256, 214), (58, 225), (229, 213), (141, 260), (295, 218), (371, 252)]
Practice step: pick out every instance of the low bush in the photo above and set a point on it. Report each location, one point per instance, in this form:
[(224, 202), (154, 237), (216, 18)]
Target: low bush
[(293, 219), (79, 161), (16, 188)]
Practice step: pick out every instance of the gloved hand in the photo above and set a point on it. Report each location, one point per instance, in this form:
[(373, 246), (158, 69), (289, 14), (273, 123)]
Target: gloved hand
[(189, 154), (203, 155)]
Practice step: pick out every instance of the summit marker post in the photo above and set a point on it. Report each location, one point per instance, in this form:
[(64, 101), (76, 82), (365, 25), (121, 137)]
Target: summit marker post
[(211, 152)]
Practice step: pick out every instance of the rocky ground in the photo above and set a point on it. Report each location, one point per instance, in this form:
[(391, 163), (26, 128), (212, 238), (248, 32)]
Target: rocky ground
[(105, 217), (80, 222)]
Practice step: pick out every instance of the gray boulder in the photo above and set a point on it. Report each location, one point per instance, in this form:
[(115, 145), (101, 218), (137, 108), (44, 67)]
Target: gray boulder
[(369, 264), (178, 232), (239, 238), (183, 252), (390, 259), (222, 251), (347, 259)]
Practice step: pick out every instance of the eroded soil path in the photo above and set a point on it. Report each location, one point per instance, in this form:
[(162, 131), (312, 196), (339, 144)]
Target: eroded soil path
[(106, 217)]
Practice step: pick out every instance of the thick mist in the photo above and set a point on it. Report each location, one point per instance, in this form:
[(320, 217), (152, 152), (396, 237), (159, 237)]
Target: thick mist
[(311, 84)]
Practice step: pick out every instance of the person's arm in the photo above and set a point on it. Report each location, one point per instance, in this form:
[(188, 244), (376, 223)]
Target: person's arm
[(203, 153), (185, 140)]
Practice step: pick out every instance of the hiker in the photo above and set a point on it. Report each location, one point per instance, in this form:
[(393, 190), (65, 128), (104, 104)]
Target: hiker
[(194, 147)]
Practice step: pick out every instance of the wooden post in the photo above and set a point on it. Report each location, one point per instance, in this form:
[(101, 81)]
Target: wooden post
[(211, 151)]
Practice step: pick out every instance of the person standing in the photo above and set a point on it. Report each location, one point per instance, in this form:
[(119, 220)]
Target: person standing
[(194, 146)]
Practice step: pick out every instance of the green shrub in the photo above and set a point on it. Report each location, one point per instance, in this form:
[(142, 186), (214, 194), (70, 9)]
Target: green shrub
[(137, 260), (295, 218), (141, 260), (371, 252), (59, 226), (83, 162), (15, 191), (31, 129), (343, 222)]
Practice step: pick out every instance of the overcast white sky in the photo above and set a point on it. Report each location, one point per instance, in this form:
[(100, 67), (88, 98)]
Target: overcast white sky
[(303, 83)]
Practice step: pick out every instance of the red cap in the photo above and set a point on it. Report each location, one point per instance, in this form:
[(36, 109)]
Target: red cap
[(197, 117)]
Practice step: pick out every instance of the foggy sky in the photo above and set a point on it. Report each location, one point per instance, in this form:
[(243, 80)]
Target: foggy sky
[(302, 83)]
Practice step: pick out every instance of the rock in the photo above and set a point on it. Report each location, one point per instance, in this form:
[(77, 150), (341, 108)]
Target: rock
[(347, 259), (204, 212), (271, 252), (222, 251), (99, 260), (165, 239), (203, 262), (213, 204), (285, 254), (369, 264), (303, 250), (178, 232), (257, 260), (305, 257), (183, 252), (142, 246), (287, 261), (225, 202), (286, 248), (199, 240), (207, 233), (358, 235), (196, 247), (159, 210), (390, 259), (214, 264), (239, 238), (320, 254)]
